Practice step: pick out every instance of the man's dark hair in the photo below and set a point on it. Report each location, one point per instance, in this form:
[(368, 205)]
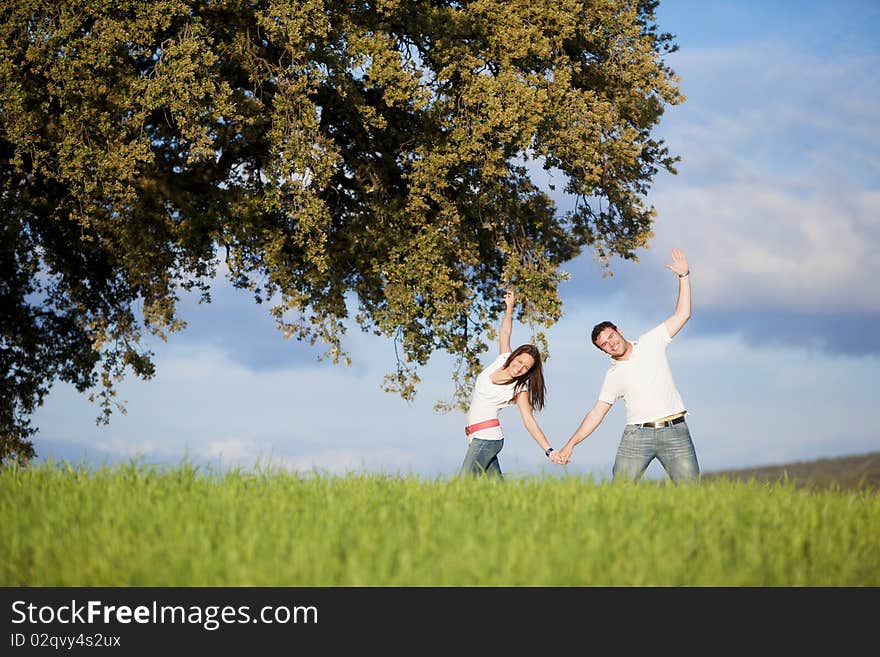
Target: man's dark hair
[(598, 328)]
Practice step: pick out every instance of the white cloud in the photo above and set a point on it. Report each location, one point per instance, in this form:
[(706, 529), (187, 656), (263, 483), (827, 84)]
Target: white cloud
[(761, 244), (777, 197), (229, 450)]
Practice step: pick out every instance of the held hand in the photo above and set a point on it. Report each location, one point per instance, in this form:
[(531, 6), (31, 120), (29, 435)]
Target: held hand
[(558, 458), (563, 456), (679, 262)]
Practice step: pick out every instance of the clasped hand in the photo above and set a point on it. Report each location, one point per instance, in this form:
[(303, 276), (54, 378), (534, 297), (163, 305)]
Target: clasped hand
[(560, 457)]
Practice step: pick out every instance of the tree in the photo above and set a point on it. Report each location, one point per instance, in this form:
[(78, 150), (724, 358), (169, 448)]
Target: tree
[(358, 163)]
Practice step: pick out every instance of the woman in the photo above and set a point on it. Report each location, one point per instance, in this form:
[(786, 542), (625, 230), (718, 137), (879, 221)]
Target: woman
[(516, 377)]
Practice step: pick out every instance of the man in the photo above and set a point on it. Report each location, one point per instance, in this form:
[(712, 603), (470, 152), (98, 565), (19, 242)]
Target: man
[(655, 413)]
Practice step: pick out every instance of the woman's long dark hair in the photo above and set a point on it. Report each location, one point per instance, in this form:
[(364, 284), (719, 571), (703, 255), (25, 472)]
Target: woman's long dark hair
[(533, 379)]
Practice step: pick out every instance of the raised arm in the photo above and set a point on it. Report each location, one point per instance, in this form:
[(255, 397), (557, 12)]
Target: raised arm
[(592, 420), (683, 305), (507, 323)]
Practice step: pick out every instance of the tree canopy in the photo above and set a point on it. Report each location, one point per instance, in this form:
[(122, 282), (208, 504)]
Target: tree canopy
[(351, 164)]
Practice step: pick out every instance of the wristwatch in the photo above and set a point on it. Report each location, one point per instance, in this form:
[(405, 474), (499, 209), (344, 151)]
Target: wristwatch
[(547, 452)]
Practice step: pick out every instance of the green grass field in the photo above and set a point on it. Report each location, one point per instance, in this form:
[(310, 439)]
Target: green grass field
[(138, 526)]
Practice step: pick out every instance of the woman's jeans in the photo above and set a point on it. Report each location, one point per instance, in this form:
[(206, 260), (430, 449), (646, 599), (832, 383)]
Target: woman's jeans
[(672, 446), (482, 458)]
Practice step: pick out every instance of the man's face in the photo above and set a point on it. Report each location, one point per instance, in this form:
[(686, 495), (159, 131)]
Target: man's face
[(611, 342)]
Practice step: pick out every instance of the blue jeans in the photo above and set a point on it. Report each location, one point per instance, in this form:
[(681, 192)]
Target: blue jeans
[(672, 446), (482, 458)]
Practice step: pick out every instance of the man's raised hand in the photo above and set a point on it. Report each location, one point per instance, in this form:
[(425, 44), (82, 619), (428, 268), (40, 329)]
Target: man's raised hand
[(679, 262)]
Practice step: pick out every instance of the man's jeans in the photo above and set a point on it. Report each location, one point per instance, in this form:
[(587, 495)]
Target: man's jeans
[(672, 446), (482, 458)]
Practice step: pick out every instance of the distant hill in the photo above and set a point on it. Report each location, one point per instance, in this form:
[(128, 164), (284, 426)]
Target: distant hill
[(846, 472)]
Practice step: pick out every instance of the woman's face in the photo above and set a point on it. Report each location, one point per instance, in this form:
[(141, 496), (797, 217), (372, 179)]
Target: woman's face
[(520, 365)]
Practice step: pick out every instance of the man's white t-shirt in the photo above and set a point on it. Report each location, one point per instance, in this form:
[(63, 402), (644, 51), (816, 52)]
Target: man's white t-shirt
[(644, 380), (488, 399)]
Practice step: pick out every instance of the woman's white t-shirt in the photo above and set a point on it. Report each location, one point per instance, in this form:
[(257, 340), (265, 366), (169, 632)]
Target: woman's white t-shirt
[(489, 398)]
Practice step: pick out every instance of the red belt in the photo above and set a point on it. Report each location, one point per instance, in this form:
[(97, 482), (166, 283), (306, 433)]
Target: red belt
[(481, 425)]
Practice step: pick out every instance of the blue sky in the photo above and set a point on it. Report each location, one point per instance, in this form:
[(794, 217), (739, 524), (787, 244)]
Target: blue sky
[(777, 206)]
